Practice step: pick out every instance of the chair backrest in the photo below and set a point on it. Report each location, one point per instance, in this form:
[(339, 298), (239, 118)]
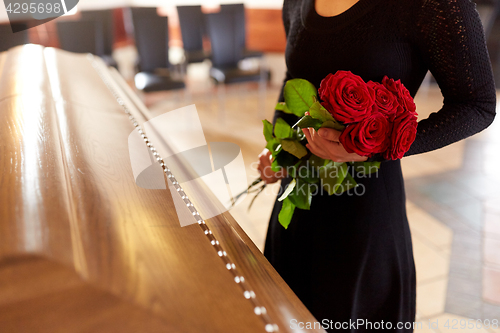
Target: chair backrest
[(80, 36), (238, 11), (151, 38), (144, 11), (225, 48), (9, 39), (489, 11), (192, 22), (105, 19)]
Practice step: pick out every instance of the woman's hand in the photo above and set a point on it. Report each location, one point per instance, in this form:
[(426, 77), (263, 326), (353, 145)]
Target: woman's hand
[(325, 143), (266, 173)]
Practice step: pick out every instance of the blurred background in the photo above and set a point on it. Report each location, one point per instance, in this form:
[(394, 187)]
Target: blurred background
[(228, 59)]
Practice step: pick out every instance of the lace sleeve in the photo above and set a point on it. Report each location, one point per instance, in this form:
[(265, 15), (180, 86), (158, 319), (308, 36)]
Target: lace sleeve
[(451, 40)]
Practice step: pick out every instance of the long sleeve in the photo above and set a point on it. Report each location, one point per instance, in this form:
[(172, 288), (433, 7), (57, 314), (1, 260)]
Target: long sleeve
[(451, 41)]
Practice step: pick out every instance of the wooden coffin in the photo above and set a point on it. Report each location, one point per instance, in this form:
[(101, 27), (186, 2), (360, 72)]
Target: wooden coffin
[(82, 247)]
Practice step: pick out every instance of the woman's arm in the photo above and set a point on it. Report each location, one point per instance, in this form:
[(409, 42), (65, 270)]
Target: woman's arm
[(450, 38)]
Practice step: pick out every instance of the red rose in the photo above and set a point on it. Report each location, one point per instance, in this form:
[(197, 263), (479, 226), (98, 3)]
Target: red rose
[(367, 137), (385, 100), (402, 94), (346, 96), (403, 134)]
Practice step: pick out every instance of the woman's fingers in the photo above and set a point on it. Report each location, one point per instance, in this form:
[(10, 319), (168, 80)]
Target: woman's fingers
[(325, 144), (329, 134), (265, 159), (317, 153), (266, 173), (312, 144), (265, 167), (332, 148), (265, 152), (325, 148), (309, 132)]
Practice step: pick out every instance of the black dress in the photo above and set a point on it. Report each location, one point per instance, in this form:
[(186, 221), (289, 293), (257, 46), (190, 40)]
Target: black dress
[(350, 257)]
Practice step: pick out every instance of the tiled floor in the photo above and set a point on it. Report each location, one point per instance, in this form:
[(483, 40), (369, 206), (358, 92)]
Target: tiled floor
[(462, 194), (453, 199)]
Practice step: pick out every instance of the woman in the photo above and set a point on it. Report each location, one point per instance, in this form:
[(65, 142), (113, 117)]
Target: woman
[(350, 257)]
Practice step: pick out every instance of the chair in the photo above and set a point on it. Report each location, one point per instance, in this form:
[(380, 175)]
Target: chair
[(488, 11), (492, 31), (238, 10), (80, 36), (227, 52), (151, 39), (8, 39), (192, 23), (103, 18)]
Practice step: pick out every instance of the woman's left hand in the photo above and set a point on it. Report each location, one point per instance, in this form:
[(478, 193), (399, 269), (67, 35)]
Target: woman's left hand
[(325, 143)]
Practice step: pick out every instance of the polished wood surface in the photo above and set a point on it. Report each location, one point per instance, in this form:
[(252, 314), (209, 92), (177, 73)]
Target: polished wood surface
[(82, 247)]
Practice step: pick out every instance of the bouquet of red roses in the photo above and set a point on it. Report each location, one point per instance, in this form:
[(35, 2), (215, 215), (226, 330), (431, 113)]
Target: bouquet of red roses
[(379, 117), (375, 118)]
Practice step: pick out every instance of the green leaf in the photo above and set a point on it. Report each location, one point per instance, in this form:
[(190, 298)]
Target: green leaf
[(286, 213), (289, 189), (309, 174), (305, 170), (330, 164), (299, 96), (333, 124), (272, 145), (316, 161), (300, 135), (332, 176), (285, 159), (282, 107), (317, 111), (282, 130), (275, 166), (293, 169), (294, 147), (268, 130), (308, 121), (346, 184), (301, 196), (366, 168)]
